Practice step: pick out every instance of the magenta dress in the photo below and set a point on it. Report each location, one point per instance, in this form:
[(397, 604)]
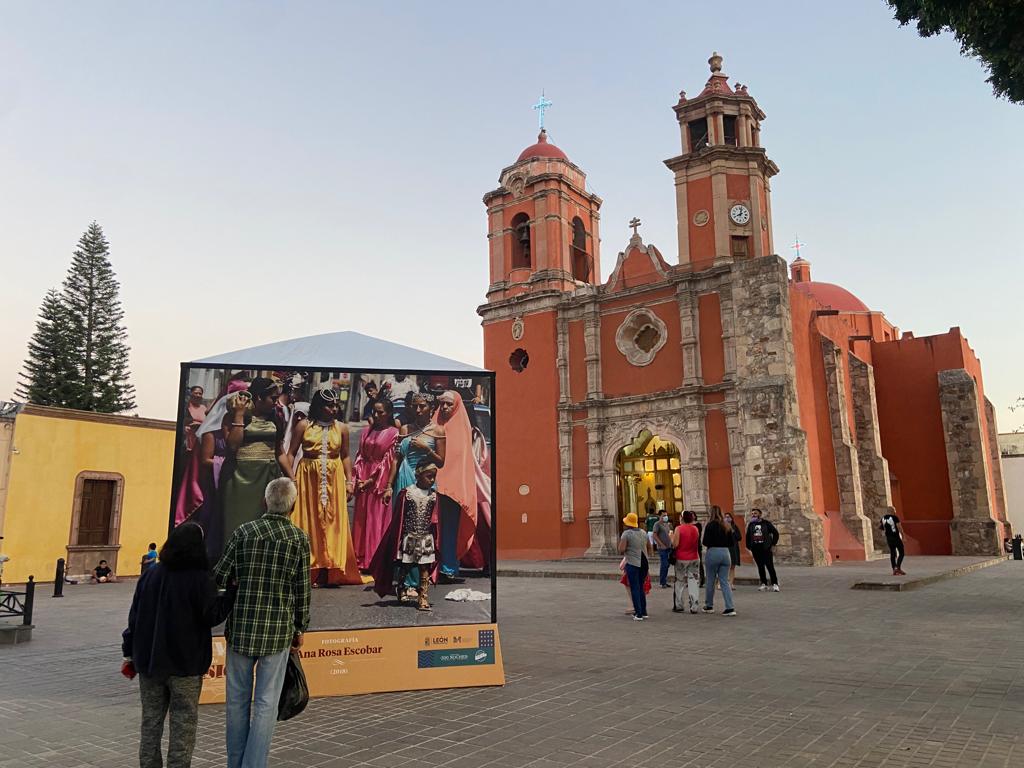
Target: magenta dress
[(372, 515)]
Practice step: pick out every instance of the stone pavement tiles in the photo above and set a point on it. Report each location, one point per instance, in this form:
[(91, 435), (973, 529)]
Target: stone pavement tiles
[(818, 675)]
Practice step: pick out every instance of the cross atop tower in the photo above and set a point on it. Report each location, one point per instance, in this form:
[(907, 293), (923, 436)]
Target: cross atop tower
[(541, 106), (797, 246), (635, 224)]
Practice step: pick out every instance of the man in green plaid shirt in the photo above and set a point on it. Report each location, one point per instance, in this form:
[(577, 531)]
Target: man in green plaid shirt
[(269, 560)]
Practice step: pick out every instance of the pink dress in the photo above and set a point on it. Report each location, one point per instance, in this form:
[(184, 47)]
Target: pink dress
[(372, 514)]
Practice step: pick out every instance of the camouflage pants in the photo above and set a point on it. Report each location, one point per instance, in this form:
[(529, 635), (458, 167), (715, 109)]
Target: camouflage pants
[(180, 696)]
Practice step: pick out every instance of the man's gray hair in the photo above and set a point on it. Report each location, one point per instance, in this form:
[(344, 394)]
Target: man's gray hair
[(280, 496)]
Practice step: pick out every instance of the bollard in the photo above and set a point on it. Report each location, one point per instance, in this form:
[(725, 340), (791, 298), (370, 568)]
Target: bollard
[(1015, 548), (30, 597), (58, 579)]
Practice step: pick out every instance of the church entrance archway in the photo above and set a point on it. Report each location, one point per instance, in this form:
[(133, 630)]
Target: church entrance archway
[(649, 479)]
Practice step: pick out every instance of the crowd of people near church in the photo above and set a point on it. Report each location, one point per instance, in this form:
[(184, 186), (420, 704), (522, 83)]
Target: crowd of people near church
[(705, 557)]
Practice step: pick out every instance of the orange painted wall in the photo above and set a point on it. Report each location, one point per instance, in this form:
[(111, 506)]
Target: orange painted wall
[(737, 186), (526, 450), (906, 385), (702, 239), (618, 377), (716, 439), (577, 535), (812, 401), (712, 348)]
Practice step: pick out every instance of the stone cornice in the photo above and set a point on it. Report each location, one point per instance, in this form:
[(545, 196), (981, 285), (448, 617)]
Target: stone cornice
[(691, 392), (724, 152)]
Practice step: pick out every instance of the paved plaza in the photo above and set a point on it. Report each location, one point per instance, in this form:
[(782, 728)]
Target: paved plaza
[(817, 675)]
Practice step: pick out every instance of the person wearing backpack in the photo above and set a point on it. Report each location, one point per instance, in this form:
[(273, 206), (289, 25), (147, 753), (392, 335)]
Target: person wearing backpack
[(761, 539)]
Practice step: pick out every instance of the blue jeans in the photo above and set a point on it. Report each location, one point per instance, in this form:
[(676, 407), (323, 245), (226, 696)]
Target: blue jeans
[(248, 738), (636, 589), (663, 573), (716, 567)]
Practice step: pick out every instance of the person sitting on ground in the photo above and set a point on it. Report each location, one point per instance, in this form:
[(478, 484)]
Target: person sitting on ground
[(762, 537), (102, 573), (894, 538), (149, 559)]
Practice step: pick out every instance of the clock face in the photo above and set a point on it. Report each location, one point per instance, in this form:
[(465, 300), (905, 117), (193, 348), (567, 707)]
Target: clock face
[(739, 214)]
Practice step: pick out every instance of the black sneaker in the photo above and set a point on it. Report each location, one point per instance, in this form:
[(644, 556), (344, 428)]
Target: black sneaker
[(678, 610), (729, 612), (707, 609)]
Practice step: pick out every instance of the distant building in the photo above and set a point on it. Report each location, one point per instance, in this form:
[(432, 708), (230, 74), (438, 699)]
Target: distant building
[(1011, 449), (82, 486), (721, 379)]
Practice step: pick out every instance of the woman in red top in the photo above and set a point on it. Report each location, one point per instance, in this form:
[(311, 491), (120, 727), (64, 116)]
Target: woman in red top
[(685, 539)]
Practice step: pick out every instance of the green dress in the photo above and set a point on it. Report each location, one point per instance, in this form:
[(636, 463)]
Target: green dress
[(255, 465)]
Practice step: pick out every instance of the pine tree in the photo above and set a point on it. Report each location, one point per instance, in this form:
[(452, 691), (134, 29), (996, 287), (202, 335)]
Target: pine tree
[(49, 376), (99, 350)]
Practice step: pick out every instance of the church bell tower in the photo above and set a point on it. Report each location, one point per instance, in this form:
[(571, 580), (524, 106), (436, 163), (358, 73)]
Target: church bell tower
[(723, 199)]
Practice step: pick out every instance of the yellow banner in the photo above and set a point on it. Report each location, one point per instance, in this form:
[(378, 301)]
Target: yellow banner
[(347, 662)]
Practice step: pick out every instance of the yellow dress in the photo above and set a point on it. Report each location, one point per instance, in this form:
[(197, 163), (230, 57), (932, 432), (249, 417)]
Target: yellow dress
[(321, 507)]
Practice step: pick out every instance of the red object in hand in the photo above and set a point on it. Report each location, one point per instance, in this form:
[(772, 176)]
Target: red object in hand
[(128, 670)]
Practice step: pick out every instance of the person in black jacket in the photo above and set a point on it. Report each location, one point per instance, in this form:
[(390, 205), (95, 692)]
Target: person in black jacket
[(762, 537), (168, 642)]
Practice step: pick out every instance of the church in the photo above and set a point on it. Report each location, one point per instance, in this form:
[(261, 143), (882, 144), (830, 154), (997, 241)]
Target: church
[(726, 377)]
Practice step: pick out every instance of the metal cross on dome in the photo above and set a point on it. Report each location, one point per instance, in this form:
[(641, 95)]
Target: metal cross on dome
[(797, 246), (541, 106)]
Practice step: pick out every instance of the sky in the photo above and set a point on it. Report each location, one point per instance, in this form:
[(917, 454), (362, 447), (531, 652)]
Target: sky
[(265, 171)]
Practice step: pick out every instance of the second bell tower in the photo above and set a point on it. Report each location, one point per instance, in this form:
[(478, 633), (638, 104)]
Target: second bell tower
[(723, 198)]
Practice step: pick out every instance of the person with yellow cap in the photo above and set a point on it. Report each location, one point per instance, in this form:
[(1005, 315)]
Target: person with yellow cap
[(633, 545)]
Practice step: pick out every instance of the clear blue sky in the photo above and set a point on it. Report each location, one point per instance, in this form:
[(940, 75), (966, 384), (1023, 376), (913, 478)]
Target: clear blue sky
[(271, 170)]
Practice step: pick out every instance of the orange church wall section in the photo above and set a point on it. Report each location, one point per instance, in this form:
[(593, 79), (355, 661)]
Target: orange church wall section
[(812, 400), (716, 438), (528, 454), (910, 420), (620, 378), (712, 349), (702, 239), (737, 186), (578, 532)]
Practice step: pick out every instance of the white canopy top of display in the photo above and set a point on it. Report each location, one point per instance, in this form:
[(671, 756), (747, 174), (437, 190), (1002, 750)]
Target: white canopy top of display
[(343, 350)]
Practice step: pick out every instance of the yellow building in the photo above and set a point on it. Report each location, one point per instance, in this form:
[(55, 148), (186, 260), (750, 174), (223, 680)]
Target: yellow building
[(82, 486)]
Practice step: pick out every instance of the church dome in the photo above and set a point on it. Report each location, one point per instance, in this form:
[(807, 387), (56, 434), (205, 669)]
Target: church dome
[(832, 295), (542, 149)]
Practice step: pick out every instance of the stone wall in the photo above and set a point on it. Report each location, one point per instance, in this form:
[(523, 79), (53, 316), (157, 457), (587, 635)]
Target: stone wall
[(973, 531), (996, 468), (776, 468), (851, 508), (876, 490)]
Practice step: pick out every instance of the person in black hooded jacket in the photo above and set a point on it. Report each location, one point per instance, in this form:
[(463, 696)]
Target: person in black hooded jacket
[(168, 643), (762, 537)]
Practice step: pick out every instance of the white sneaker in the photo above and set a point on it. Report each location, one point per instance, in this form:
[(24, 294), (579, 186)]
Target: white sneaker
[(775, 588), (763, 588)]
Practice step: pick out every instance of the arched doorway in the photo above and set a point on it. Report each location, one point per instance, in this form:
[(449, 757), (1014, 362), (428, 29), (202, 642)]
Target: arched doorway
[(649, 478)]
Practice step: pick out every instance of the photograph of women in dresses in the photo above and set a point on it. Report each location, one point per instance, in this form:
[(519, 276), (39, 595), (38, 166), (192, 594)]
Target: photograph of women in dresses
[(255, 452), (360, 498), (323, 482), (375, 468)]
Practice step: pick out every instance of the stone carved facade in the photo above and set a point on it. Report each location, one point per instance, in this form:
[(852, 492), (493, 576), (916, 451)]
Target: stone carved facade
[(973, 530)]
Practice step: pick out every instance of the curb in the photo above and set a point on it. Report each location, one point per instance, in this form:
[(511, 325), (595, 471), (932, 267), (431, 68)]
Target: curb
[(906, 586)]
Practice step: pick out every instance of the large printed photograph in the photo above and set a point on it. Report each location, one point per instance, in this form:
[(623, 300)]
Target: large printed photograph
[(393, 473)]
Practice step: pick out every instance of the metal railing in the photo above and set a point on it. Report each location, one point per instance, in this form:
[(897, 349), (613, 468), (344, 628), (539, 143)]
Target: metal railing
[(14, 603)]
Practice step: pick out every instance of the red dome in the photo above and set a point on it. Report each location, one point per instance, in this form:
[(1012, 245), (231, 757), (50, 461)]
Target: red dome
[(831, 295), (542, 149)]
